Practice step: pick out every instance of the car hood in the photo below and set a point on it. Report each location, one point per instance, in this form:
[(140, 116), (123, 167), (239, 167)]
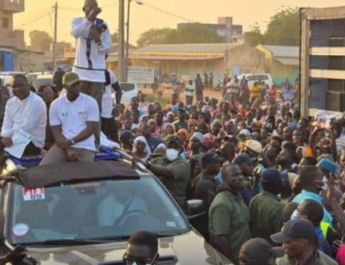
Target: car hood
[(189, 248)]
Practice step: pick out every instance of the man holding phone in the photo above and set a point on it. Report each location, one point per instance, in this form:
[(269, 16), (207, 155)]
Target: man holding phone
[(93, 42)]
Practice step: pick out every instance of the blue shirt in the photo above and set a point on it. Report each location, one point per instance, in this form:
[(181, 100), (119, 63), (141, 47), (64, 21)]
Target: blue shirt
[(306, 195), (324, 245)]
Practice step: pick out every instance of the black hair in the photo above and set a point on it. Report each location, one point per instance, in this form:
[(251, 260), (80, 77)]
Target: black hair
[(291, 149), (312, 210), (311, 161), (307, 176), (41, 88), (22, 77), (288, 211), (145, 238)]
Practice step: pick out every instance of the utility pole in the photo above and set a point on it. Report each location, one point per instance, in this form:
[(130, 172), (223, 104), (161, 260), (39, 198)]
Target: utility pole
[(55, 36), (127, 36), (121, 61)]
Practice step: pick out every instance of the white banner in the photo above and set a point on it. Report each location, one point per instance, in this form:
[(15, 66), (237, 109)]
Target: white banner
[(140, 75)]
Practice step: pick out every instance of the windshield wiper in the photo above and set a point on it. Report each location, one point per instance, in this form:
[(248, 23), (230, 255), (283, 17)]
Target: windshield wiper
[(69, 242)]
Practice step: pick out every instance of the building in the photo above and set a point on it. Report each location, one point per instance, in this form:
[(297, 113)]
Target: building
[(282, 62), (225, 29), (29, 61), (9, 38), (191, 59)]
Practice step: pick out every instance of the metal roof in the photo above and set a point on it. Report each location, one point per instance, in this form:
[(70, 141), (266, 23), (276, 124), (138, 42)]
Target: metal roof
[(288, 61), (188, 48), (180, 58), (283, 51)]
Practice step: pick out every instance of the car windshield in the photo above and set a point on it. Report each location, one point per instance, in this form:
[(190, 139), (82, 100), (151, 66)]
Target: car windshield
[(92, 210), (43, 82)]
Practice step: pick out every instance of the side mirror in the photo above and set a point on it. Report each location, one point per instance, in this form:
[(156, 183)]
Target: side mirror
[(195, 209)]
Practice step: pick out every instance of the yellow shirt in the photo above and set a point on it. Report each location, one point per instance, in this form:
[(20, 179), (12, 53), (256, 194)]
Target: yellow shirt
[(255, 91)]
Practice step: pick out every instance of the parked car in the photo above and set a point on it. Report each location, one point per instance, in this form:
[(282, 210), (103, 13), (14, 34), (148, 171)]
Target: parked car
[(252, 78), (84, 212), (129, 90), (42, 80), (32, 77)]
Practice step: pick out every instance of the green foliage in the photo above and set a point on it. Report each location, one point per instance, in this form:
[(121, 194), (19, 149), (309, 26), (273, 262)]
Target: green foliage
[(154, 36), (188, 33), (41, 40), (283, 29), (254, 37)]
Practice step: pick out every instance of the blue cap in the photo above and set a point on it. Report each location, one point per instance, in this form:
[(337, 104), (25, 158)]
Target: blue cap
[(270, 175)]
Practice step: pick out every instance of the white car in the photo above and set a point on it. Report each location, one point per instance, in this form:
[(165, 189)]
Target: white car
[(252, 78), (43, 80), (33, 76), (129, 90)]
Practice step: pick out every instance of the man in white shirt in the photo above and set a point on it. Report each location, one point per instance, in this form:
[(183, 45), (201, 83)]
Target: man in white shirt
[(108, 121), (25, 111), (93, 42), (74, 118)]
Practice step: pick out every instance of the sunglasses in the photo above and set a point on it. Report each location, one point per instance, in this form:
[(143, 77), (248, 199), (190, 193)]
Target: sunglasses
[(139, 261)]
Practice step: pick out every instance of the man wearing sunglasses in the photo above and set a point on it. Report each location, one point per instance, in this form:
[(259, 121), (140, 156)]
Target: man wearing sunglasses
[(141, 249)]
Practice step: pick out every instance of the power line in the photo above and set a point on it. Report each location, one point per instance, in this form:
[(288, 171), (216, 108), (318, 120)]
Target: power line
[(168, 13), (33, 17)]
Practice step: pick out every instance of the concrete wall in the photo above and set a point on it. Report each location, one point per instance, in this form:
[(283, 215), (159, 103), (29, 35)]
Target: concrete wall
[(246, 59), (28, 61)]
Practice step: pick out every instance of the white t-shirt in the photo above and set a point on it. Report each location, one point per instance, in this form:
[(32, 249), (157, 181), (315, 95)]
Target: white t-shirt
[(72, 116), (107, 101)]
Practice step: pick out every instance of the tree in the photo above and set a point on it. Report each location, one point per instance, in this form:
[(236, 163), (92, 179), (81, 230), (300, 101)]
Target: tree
[(193, 33), (154, 36), (115, 37), (284, 28), (254, 37), (40, 40)]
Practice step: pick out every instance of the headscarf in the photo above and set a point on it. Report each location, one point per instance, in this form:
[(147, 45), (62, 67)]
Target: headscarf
[(199, 137), (185, 132), (147, 148), (156, 133), (167, 125)]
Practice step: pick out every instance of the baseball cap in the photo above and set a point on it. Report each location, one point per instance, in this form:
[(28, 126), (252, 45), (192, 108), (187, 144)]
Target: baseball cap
[(210, 157), (70, 79), (243, 158), (258, 251), (270, 175), (299, 228), (244, 132), (254, 146)]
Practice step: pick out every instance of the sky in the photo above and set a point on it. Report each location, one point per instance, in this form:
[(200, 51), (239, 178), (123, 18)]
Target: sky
[(39, 14)]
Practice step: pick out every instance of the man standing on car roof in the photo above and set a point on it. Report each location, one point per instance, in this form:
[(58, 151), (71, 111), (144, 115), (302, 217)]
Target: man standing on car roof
[(93, 43), (172, 170), (73, 119)]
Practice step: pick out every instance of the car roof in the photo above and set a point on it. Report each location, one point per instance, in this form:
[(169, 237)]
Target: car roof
[(45, 76), (56, 174)]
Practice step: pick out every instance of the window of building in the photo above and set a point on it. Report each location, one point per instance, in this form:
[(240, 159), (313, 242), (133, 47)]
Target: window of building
[(5, 23)]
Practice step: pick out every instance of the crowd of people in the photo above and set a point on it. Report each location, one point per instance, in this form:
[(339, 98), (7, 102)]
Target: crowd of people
[(266, 175)]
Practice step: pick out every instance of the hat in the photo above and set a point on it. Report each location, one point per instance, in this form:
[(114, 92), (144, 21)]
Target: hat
[(299, 228), (175, 139), (258, 251), (243, 158), (254, 146), (270, 175), (198, 136), (70, 79), (244, 132)]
